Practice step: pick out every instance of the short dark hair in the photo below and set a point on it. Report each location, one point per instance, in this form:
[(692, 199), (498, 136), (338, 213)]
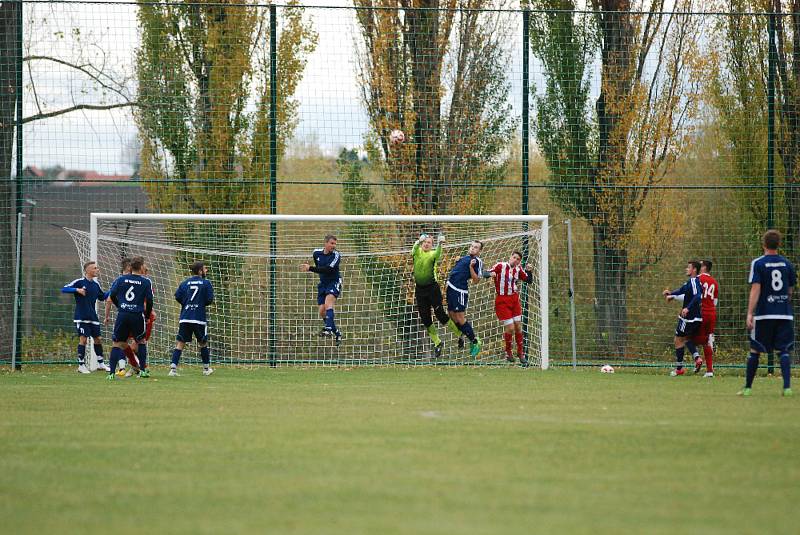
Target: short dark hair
[(479, 242), (695, 264), (771, 239), (87, 264), (136, 263), (517, 253), (707, 264), (125, 264), (195, 267), (329, 237)]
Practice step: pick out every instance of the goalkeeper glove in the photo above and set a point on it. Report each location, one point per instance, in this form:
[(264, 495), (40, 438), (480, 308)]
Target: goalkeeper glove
[(440, 238), (422, 237)]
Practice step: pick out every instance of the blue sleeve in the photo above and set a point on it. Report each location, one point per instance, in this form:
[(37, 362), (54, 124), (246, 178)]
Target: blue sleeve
[(698, 294), (210, 298), (755, 275), (149, 292), (70, 288), (681, 291), (112, 292), (179, 294), (315, 256)]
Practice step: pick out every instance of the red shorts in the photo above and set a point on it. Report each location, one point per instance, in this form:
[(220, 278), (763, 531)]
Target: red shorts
[(507, 308), (707, 327)]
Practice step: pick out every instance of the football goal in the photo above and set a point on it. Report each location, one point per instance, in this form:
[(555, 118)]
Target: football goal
[(266, 311)]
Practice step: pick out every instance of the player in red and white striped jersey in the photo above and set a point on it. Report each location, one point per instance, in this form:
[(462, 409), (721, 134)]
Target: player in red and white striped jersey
[(507, 305)]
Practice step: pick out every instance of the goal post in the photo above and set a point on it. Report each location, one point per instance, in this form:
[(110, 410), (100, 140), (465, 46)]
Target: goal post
[(376, 309)]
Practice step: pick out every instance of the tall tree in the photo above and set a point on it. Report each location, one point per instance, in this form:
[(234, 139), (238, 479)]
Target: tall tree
[(610, 155), (204, 93), (436, 70), (787, 98), (83, 64), (736, 90)]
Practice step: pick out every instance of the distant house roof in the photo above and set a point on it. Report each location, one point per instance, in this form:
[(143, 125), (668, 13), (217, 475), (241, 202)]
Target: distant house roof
[(89, 178), (32, 171)]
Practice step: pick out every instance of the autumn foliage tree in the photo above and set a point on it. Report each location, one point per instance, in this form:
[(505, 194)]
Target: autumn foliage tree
[(436, 70), (204, 95), (605, 156)]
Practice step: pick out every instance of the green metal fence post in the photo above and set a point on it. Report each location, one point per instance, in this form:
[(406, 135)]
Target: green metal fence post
[(273, 178), (524, 209), (20, 194), (771, 124)]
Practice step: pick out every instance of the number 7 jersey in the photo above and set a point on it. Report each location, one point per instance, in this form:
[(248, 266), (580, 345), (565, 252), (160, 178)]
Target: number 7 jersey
[(776, 275), (194, 294)]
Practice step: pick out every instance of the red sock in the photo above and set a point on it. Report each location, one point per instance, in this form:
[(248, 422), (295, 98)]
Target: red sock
[(507, 337), (132, 360), (708, 352), (518, 336)]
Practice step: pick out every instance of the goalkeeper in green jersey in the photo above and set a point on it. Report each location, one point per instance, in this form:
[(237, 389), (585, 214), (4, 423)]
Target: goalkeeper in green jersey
[(428, 293)]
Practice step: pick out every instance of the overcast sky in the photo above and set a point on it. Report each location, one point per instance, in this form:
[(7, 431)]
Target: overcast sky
[(331, 113)]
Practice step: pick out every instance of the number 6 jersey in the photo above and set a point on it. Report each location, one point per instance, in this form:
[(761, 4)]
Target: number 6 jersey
[(776, 275)]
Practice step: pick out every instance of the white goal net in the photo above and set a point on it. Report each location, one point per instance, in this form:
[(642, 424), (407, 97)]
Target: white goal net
[(265, 309)]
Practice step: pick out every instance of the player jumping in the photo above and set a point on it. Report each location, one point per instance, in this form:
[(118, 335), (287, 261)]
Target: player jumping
[(507, 305), (467, 268), (690, 317), (133, 296), (87, 292), (428, 294), (326, 263), (769, 310), (194, 294)]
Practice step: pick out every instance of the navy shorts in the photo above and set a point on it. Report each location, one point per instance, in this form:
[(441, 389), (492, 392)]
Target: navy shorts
[(129, 325), (772, 335), (186, 330), (456, 301), (88, 329), (687, 329), (326, 289)]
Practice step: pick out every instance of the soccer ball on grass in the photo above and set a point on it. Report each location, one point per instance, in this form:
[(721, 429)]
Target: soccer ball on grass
[(607, 368), (396, 137)]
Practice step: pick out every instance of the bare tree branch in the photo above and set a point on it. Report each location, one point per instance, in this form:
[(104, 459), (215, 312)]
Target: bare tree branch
[(48, 115), (82, 68)]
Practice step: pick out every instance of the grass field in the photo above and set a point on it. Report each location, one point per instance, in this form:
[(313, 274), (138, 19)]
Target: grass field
[(382, 450)]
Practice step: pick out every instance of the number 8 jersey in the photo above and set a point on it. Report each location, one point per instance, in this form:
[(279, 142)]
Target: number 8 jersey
[(776, 275)]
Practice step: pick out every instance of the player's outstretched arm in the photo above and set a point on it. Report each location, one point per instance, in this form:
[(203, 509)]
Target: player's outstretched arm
[(473, 266)]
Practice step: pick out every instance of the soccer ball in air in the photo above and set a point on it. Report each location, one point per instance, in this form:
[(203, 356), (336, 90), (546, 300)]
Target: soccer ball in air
[(607, 369), (396, 137)]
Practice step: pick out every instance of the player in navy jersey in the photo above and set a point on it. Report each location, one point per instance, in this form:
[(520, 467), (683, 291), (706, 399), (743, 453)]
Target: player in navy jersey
[(87, 292), (133, 296), (467, 269), (690, 318), (327, 262), (769, 310), (194, 294)]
